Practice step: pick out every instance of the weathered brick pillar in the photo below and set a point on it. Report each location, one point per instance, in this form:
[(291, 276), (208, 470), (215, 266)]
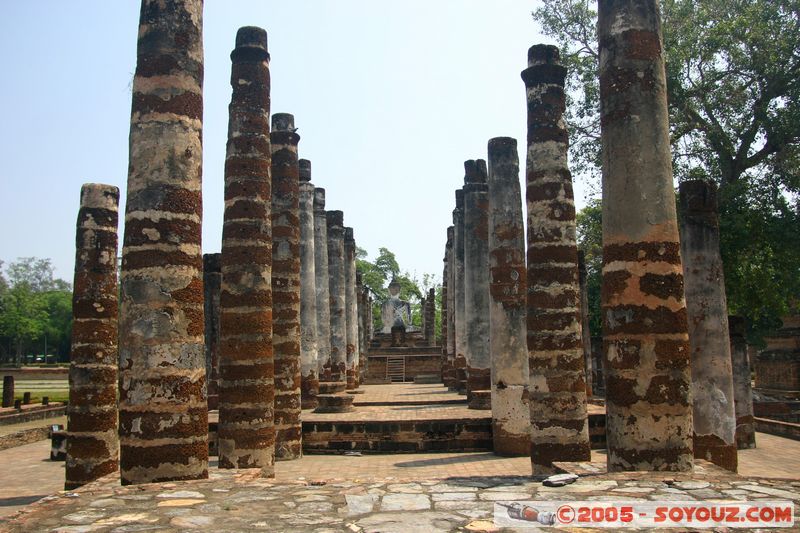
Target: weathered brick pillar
[(452, 378), (707, 312), (460, 328), (511, 422), (246, 389), (742, 387), (309, 377), (350, 308), (8, 391), (430, 317), (586, 336), (362, 329), (286, 285), (92, 443), (322, 286), (445, 280), (646, 345), (557, 381), (336, 284), (163, 414), (476, 276), (212, 288)]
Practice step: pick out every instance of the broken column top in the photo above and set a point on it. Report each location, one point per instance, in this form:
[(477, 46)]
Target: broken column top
[(319, 198), (475, 175), (737, 327), (335, 218), (251, 37), (459, 198), (348, 236), (543, 54), (698, 201), (100, 195), (503, 146), (212, 262), (305, 170), (283, 122)]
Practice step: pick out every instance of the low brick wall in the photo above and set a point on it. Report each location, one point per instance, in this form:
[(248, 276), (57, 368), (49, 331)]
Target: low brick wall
[(26, 436), (778, 370), (425, 436), (776, 427), (32, 372), (32, 412)]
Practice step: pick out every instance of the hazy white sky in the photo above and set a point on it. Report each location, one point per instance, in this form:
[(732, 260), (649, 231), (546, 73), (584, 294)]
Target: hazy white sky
[(390, 98)]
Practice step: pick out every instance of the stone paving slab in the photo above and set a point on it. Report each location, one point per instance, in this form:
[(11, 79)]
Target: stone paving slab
[(241, 501), (407, 394)]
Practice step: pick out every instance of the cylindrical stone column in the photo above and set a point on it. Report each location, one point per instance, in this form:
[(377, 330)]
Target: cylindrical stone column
[(351, 314), (309, 378), (430, 317), (476, 276), (92, 442), (645, 339), (163, 414), (452, 378), (336, 284), (246, 389), (742, 387), (511, 422), (361, 344), (8, 391), (586, 336), (557, 390), (460, 327), (322, 287), (212, 289), (445, 279), (286, 285), (707, 312)]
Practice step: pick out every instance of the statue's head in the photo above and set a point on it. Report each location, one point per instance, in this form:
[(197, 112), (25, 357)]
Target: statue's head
[(394, 287)]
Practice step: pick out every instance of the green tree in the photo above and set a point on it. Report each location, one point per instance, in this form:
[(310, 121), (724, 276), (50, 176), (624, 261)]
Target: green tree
[(733, 83), (35, 308), (590, 242)]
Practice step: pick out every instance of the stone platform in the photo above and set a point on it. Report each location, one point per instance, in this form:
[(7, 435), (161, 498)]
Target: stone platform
[(238, 500)]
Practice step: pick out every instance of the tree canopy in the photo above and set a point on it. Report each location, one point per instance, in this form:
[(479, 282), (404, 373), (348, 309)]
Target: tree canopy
[(35, 310), (733, 85)]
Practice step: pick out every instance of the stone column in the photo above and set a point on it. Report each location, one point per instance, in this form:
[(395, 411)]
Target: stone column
[(362, 329), (350, 309), (246, 389), (476, 276), (445, 275), (646, 344), (460, 329), (430, 317), (8, 391), (586, 336), (322, 286), (511, 422), (707, 312), (452, 381), (742, 387), (336, 284), (163, 414), (212, 287), (309, 377), (286, 285), (92, 443), (557, 386)]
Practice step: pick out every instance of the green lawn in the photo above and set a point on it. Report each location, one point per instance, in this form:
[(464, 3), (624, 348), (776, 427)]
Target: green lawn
[(56, 389)]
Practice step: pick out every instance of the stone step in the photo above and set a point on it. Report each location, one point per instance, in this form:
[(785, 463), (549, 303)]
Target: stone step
[(334, 403), (427, 378), (480, 399), (332, 387)]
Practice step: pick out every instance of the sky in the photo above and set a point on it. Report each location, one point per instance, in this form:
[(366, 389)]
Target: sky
[(390, 98)]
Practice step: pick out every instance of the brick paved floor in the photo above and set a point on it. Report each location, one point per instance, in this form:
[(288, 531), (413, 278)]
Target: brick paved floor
[(407, 393)]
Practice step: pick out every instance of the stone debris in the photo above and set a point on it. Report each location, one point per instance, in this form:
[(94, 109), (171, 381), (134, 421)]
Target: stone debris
[(559, 480)]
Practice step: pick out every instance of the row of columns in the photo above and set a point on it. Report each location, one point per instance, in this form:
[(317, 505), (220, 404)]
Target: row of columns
[(250, 331), (668, 356)]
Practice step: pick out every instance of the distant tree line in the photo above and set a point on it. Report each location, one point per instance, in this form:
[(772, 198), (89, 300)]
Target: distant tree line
[(35, 312)]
